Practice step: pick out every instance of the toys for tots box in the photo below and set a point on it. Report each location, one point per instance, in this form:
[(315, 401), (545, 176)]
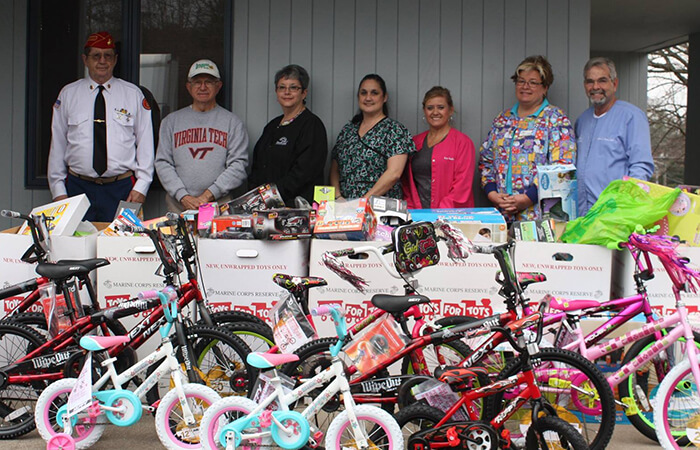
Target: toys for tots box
[(238, 274), (14, 270), (660, 288)]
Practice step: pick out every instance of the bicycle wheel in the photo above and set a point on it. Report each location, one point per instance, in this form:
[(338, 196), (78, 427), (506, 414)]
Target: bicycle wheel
[(551, 432), (450, 353), (417, 417), (17, 401), (173, 431), (34, 320), (677, 412), (257, 337), (220, 414), (379, 427), (574, 386), (219, 361), (50, 407), (234, 316), (642, 385)]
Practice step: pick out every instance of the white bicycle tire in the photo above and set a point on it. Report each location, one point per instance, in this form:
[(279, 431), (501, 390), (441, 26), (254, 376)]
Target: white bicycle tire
[(40, 414), (663, 395), (213, 420), (365, 412), (170, 402)]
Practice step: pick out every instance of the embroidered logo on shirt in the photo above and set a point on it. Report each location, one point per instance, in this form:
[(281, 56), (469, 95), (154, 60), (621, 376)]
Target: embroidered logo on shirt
[(281, 141), (57, 104), (123, 114), (202, 152)]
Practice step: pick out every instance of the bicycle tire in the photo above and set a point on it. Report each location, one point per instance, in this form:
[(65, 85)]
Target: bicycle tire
[(32, 319), (383, 431), (220, 414), (216, 374), (569, 368), (417, 417), (453, 352), (547, 428), (16, 341), (680, 406), (257, 337), (172, 431), (54, 397), (642, 384), (234, 315)]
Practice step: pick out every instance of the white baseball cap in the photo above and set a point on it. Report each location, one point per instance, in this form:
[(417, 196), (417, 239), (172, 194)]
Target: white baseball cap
[(204, 66)]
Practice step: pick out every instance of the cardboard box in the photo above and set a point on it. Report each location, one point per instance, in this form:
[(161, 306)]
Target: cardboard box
[(481, 224), (349, 221), (660, 288), (683, 218), (67, 215), (14, 270), (557, 191), (238, 274)]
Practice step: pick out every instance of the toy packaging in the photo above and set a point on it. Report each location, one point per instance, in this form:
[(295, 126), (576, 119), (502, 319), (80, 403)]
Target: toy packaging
[(263, 387), (543, 230), (55, 309), (324, 193), (237, 226), (291, 327), (351, 220), (389, 210), (66, 214), (261, 198), (438, 395), (207, 212), (376, 344), (683, 218), (287, 223), (477, 224), (557, 191)]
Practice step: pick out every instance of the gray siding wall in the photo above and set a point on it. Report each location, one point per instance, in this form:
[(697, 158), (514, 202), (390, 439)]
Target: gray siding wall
[(632, 71), (471, 47)]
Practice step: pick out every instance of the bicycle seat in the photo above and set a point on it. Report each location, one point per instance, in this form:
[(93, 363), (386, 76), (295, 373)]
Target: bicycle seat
[(398, 303), (262, 360), (527, 278), (97, 343), (572, 305), (69, 268), (459, 378), (297, 284)]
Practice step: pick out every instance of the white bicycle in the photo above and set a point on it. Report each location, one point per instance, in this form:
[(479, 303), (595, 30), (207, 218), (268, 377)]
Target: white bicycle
[(65, 425), (240, 422)]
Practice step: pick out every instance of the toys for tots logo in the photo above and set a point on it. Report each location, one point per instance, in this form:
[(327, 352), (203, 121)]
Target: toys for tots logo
[(481, 308)]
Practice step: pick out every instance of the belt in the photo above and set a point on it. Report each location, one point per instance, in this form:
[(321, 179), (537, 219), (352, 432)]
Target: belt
[(103, 180)]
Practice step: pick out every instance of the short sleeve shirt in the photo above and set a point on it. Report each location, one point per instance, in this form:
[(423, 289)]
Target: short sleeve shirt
[(362, 160)]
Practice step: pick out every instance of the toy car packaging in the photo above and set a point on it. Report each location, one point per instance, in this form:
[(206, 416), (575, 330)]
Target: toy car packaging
[(287, 223), (261, 198), (236, 226), (351, 220)]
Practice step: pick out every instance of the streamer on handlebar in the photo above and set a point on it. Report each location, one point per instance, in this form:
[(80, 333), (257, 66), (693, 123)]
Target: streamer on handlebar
[(664, 247)]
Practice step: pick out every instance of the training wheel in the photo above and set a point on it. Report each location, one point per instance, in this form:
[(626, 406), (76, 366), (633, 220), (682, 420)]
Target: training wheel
[(61, 441)]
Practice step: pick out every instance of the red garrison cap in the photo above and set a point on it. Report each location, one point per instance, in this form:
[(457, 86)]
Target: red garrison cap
[(100, 39)]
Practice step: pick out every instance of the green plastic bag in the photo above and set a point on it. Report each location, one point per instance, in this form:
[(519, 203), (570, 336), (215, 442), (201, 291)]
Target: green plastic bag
[(621, 207)]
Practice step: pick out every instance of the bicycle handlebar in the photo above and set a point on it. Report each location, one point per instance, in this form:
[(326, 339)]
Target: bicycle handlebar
[(13, 214)]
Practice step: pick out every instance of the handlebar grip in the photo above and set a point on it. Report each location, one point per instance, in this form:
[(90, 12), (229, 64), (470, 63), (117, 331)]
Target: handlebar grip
[(171, 215), (324, 310), (342, 252), (166, 223), (148, 295), (11, 214)]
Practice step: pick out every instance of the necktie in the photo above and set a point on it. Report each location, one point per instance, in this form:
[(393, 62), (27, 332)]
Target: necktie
[(99, 127)]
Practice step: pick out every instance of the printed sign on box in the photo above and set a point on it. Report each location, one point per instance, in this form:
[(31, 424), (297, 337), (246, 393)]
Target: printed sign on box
[(238, 274)]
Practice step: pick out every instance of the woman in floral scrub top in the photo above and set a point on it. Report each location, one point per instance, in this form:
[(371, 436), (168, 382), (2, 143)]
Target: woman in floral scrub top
[(532, 133), (371, 151)]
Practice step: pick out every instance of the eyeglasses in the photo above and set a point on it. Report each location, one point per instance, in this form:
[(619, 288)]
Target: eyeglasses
[(109, 57), (207, 83), (520, 82), (292, 89)]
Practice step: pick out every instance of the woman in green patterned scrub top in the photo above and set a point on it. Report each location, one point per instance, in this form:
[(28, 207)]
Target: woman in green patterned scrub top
[(371, 151)]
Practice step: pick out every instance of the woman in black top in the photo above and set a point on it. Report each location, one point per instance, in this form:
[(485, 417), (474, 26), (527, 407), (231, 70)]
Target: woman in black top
[(292, 149)]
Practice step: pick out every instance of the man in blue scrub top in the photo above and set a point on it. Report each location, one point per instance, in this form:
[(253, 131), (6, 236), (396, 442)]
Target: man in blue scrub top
[(612, 136)]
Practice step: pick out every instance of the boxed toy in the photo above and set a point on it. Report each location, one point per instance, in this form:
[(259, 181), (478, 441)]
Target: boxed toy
[(322, 193), (480, 224), (286, 223), (351, 220), (263, 197), (387, 209), (237, 226), (207, 212), (683, 218), (67, 215), (543, 230), (557, 191)]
